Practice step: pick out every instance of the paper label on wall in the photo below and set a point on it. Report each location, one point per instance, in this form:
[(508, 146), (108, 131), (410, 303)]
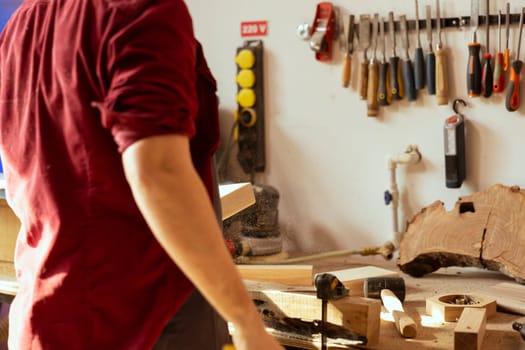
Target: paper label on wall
[(254, 28)]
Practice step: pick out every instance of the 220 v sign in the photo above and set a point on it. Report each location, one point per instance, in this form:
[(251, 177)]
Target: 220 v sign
[(254, 28)]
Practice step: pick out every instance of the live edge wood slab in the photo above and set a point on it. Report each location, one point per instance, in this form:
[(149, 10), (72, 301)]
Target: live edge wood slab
[(485, 229)]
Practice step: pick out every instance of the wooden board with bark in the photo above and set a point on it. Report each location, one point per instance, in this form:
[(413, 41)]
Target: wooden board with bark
[(485, 229)]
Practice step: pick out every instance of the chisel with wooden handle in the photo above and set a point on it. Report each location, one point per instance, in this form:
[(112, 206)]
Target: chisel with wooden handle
[(441, 65), (372, 101), (347, 63), (364, 42)]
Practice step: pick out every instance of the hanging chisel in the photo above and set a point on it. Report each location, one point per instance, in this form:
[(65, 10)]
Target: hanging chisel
[(347, 63), (419, 60), (499, 73), (506, 53), (383, 91), (487, 75), (441, 65), (372, 101), (430, 59), (364, 42), (474, 63), (513, 91), (396, 86), (408, 69)]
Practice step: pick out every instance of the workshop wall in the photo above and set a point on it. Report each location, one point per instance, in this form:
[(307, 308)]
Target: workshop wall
[(325, 156)]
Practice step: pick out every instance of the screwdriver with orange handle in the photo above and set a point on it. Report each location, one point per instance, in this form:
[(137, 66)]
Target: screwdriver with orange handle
[(512, 102), (506, 53), (499, 72)]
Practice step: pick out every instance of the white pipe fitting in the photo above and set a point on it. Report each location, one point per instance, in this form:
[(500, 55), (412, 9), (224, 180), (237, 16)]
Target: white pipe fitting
[(410, 156)]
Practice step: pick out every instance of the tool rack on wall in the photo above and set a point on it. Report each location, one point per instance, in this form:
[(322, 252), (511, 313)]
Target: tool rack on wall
[(452, 22)]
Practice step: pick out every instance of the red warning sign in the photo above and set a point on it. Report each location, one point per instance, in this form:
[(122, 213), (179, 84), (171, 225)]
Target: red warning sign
[(254, 28)]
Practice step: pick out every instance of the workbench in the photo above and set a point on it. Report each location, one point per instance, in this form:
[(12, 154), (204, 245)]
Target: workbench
[(431, 335), (499, 333)]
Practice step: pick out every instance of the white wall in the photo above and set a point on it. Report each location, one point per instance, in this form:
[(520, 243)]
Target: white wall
[(325, 156)]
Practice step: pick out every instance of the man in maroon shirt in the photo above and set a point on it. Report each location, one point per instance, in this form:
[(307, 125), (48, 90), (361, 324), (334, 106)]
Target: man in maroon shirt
[(108, 122)]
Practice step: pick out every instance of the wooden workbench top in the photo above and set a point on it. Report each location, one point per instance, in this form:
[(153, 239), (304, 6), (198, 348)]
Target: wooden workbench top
[(431, 335)]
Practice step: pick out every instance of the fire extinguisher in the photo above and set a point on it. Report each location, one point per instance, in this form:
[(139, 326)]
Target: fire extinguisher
[(455, 160)]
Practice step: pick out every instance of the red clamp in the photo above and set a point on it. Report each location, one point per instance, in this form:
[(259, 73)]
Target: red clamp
[(322, 31)]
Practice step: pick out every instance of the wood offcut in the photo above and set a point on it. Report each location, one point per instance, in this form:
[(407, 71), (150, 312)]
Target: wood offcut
[(485, 229)]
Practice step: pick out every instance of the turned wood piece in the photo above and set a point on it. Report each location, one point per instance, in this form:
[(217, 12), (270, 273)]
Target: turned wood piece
[(485, 229)]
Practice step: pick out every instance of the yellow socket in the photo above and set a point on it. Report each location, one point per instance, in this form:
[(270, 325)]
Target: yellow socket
[(246, 98), (248, 117), (245, 78), (245, 59)]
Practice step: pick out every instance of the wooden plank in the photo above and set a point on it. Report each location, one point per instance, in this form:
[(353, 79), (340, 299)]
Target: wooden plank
[(361, 315), (358, 314), (353, 278), (9, 227), (235, 198), (296, 275), (470, 330), (510, 296)]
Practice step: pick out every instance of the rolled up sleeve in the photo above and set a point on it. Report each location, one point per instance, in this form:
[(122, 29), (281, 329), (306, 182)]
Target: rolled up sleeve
[(151, 62)]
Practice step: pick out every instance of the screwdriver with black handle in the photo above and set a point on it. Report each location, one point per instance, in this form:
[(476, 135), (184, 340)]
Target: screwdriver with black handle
[(383, 90), (499, 72), (512, 101), (430, 59), (419, 60), (487, 75), (408, 69), (396, 86), (474, 63)]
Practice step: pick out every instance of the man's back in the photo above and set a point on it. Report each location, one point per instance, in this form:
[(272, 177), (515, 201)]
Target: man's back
[(80, 81)]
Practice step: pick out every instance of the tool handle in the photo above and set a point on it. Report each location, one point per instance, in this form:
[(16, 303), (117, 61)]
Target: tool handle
[(372, 101), (405, 324), (474, 70), (506, 59), (363, 87), (409, 81), (487, 76), (383, 91), (430, 69), (419, 68), (512, 102), (396, 88), (499, 73), (441, 77), (347, 69)]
